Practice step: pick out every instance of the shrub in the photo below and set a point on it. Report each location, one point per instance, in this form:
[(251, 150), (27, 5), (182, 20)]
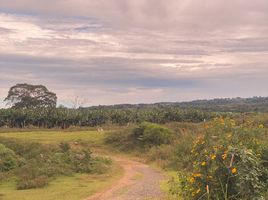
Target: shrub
[(121, 140), (101, 165), (163, 155), (65, 147), (8, 159), (42, 163), (227, 163), (30, 176), (144, 136), (81, 160), (150, 134)]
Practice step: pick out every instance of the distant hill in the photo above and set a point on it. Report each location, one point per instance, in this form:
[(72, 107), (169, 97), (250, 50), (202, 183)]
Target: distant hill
[(254, 104)]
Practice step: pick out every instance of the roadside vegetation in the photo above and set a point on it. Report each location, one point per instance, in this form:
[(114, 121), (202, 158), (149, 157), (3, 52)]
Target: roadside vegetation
[(34, 165), (220, 159), (207, 153)]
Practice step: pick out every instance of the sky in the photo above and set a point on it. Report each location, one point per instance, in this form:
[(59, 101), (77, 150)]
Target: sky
[(124, 51)]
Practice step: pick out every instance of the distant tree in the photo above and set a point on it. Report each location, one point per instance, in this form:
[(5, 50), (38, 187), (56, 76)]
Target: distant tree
[(30, 96)]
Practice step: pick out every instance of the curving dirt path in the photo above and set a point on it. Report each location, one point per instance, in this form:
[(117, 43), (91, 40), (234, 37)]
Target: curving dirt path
[(140, 182)]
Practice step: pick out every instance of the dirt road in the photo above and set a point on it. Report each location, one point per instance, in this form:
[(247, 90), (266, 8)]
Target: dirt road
[(140, 182)]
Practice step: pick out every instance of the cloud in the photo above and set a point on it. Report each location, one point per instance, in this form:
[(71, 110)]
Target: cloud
[(121, 51), (206, 15)]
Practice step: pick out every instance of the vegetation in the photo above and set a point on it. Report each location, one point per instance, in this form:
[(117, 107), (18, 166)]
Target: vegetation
[(241, 105), (214, 149), (64, 117), (92, 138), (30, 96), (35, 165), (220, 159), (227, 161), (143, 137), (8, 159), (74, 187)]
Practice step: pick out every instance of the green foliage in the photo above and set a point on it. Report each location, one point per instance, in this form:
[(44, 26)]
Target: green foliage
[(163, 156), (228, 163), (144, 136), (149, 134), (65, 147), (32, 115), (31, 96), (175, 155), (46, 117), (43, 163), (81, 160), (8, 159), (30, 176)]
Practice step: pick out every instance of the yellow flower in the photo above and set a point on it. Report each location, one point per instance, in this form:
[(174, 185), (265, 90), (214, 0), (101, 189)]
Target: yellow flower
[(198, 191), (233, 122), (222, 121), (261, 126), (213, 156), (197, 175), (234, 170), (191, 180), (203, 163), (224, 156)]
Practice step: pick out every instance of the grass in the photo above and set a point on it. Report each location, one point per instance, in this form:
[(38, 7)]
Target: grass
[(53, 137), (165, 184), (77, 187)]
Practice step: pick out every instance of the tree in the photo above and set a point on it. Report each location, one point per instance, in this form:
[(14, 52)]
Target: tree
[(30, 96)]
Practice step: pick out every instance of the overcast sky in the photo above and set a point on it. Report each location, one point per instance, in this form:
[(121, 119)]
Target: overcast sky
[(135, 51)]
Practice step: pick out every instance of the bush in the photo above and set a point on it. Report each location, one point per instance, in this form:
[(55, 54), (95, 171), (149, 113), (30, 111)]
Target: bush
[(42, 163), (150, 134), (30, 176), (81, 160), (227, 163), (8, 159), (142, 137)]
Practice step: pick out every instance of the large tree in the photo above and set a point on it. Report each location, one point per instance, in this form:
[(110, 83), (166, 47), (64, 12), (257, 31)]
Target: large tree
[(30, 96)]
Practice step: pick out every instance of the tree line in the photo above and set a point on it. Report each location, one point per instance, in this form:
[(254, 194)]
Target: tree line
[(35, 105), (66, 117)]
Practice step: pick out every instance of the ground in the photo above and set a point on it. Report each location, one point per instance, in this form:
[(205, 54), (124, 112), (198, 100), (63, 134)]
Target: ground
[(139, 182)]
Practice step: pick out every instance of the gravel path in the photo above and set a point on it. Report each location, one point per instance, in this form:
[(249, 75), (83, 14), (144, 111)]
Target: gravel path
[(140, 182)]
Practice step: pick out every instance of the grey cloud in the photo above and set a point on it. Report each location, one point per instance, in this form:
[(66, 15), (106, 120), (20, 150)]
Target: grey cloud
[(5, 31), (185, 15), (136, 51), (106, 72)]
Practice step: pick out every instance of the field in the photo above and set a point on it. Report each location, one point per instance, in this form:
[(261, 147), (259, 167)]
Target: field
[(186, 153), (94, 138), (76, 186)]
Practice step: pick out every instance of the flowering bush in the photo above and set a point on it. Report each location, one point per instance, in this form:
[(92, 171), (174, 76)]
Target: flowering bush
[(227, 163)]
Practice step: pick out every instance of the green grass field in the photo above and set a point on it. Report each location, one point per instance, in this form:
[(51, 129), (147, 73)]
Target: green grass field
[(53, 137), (75, 187)]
